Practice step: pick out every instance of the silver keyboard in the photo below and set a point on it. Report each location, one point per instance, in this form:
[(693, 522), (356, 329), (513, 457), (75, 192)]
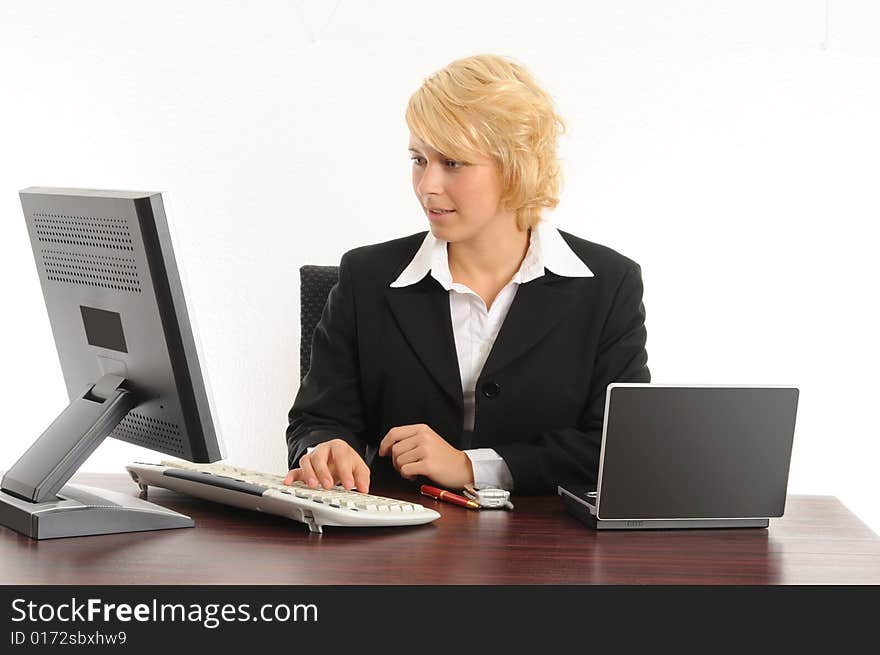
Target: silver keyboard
[(266, 492)]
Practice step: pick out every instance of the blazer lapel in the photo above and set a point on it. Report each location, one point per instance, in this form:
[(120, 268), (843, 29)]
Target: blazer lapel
[(422, 312), (537, 307)]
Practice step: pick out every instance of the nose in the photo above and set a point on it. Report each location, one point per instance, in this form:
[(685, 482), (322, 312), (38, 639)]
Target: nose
[(430, 182)]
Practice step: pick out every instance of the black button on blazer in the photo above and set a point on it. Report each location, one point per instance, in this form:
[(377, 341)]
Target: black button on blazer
[(383, 357), (491, 389)]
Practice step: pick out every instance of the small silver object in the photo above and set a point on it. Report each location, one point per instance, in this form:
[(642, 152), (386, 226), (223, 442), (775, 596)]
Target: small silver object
[(489, 497)]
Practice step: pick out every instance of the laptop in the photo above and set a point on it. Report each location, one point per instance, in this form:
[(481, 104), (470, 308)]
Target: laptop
[(689, 456)]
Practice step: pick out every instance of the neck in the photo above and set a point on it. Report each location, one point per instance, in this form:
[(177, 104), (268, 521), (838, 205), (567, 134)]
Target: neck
[(495, 253)]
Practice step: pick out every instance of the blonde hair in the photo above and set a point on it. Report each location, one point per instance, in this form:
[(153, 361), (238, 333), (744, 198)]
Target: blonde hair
[(491, 106)]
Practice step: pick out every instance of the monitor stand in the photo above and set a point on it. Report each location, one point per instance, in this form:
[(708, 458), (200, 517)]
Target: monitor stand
[(37, 501)]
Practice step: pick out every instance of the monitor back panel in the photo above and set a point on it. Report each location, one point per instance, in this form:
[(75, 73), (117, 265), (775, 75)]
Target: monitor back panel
[(111, 288)]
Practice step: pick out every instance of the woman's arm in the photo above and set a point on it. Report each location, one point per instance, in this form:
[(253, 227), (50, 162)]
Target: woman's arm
[(572, 454), (329, 404)]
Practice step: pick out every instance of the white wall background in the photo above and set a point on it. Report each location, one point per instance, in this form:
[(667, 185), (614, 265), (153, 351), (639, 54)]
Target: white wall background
[(732, 148)]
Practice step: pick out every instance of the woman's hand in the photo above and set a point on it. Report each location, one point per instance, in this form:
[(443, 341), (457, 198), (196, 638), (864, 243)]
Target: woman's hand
[(331, 462), (418, 450)]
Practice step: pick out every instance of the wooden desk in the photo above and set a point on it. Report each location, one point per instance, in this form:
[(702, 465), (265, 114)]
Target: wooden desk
[(818, 541)]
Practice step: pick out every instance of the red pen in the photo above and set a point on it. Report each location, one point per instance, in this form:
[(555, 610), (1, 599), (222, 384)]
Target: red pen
[(448, 496)]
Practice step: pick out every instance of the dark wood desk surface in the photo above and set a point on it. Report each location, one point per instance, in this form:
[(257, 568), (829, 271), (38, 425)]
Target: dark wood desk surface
[(818, 541)]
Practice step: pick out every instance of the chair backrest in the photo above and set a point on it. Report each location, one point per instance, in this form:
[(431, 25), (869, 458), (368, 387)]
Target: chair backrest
[(315, 285)]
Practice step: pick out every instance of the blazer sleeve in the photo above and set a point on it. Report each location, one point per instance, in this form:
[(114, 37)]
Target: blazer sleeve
[(571, 454), (329, 404)]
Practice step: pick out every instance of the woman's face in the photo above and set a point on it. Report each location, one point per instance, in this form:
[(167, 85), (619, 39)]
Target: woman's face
[(466, 195)]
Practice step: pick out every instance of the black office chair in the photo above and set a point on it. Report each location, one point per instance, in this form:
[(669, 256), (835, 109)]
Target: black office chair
[(315, 285)]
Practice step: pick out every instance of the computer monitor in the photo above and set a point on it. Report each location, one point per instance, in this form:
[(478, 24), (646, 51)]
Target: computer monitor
[(129, 356)]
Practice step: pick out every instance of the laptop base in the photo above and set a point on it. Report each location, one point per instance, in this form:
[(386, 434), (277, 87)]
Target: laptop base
[(581, 509)]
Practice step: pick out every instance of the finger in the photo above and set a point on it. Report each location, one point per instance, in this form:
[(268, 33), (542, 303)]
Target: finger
[(411, 470), (340, 462), (362, 477), (413, 455), (404, 445), (319, 465), (305, 463), (396, 434), (294, 475), (400, 433)]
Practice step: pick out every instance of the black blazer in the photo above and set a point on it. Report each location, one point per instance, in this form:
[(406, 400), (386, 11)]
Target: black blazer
[(383, 357)]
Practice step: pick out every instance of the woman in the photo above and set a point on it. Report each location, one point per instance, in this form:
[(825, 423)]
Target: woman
[(478, 352)]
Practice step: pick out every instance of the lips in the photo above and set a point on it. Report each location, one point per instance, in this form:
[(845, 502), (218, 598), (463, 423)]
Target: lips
[(440, 212)]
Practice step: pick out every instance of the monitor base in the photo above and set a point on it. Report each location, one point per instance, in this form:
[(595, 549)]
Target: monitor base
[(79, 511)]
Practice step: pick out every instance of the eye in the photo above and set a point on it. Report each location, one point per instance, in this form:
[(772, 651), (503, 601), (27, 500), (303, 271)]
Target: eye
[(417, 160), (451, 163)]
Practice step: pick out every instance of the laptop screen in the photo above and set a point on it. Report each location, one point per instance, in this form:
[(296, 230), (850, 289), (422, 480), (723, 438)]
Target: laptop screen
[(696, 452)]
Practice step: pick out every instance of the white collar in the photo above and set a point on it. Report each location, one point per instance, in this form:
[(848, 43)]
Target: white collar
[(547, 249)]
